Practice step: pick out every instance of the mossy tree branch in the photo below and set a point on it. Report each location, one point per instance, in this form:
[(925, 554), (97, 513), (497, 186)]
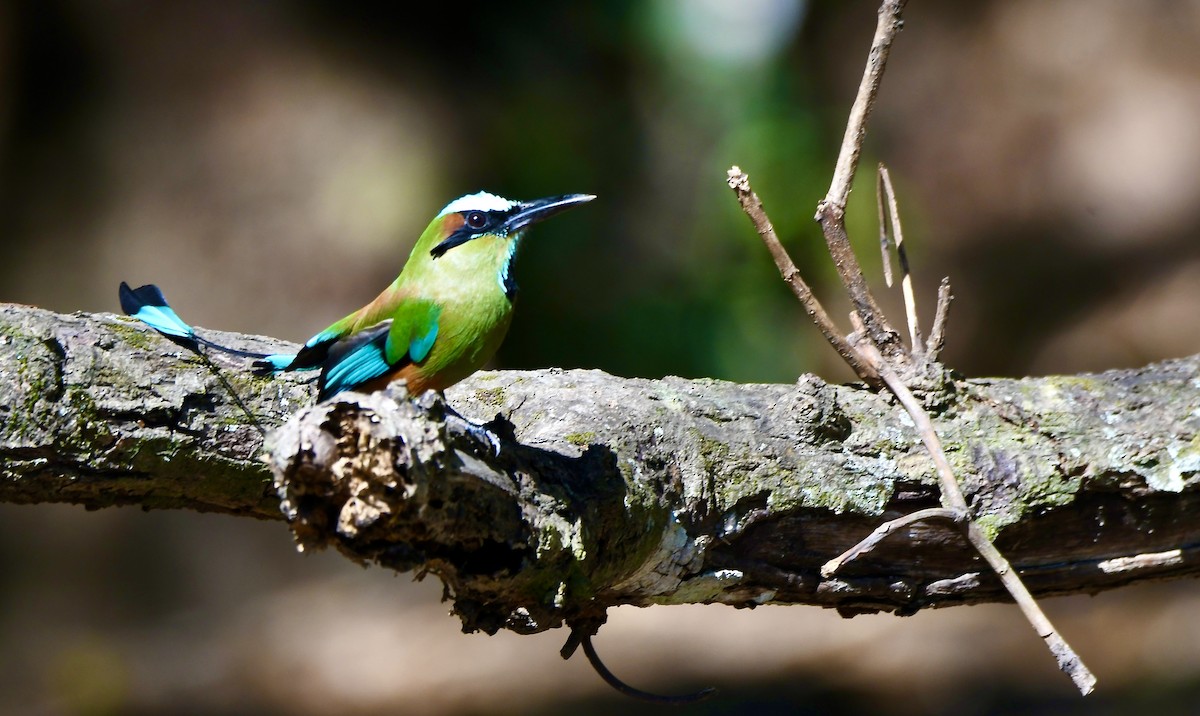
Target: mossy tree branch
[(621, 491)]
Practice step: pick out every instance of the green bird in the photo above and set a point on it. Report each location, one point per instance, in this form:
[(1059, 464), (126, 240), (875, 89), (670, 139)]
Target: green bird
[(441, 320)]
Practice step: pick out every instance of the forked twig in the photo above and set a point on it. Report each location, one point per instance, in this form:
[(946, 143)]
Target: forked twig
[(877, 349)]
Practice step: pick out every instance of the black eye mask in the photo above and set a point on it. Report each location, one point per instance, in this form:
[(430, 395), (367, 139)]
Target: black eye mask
[(467, 232)]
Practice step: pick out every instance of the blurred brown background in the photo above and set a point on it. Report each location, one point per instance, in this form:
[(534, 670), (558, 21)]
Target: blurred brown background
[(269, 164)]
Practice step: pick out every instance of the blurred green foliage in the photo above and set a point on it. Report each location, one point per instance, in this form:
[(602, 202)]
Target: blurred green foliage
[(663, 275), (646, 104)]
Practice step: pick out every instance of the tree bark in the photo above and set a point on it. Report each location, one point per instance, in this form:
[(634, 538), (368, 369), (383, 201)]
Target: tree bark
[(610, 490)]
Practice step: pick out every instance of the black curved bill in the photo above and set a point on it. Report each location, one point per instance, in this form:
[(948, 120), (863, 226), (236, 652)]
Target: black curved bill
[(531, 212)]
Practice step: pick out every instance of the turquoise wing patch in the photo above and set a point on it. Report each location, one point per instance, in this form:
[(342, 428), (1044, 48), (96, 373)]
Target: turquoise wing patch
[(371, 353), (364, 364), (419, 347), (164, 320), (326, 335), (355, 361), (414, 331)]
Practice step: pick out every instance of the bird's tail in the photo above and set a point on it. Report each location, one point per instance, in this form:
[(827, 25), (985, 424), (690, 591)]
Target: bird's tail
[(147, 304)]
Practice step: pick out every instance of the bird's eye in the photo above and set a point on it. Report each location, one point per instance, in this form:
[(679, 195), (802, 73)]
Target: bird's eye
[(476, 219)]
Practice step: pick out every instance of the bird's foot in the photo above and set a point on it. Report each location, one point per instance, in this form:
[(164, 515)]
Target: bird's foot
[(479, 432), (435, 402)]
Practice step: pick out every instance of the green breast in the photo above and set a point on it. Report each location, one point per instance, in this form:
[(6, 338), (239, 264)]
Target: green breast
[(469, 284)]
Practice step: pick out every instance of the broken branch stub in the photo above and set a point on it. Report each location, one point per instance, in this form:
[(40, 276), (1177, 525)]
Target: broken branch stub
[(523, 539)]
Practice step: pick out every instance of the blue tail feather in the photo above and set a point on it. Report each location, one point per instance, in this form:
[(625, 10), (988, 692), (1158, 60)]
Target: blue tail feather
[(148, 305)]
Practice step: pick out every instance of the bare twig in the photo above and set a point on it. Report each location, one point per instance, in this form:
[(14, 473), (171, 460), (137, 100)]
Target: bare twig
[(885, 257), (611, 679), (879, 347), (581, 634), (910, 301), (937, 334), (1066, 657), (888, 26), (952, 495), (831, 210), (880, 330), (740, 183), (881, 533)]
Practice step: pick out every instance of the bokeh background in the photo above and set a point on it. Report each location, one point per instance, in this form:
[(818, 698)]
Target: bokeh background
[(270, 163)]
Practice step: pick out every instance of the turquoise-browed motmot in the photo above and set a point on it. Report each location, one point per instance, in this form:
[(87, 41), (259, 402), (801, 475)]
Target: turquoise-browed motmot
[(441, 319)]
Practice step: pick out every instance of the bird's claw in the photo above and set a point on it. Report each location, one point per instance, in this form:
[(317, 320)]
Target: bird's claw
[(479, 432), (483, 434)]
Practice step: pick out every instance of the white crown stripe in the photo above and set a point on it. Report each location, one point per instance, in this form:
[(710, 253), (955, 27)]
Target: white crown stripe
[(481, 201)]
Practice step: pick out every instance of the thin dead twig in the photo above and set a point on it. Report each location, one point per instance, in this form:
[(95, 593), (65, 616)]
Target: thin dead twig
[(581, 635), (888, 193), (885, 256), (1067, 659), (611, 679), (831, 211), (740, 183), (886, 29), (937, 334), (952, 495), (881, 533)]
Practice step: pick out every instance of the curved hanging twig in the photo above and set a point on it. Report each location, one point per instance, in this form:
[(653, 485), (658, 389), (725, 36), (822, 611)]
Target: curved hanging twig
[(582, 635), (609, 678)]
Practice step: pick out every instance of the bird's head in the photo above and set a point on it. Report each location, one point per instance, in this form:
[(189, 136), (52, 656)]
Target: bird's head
[(481, 231), (480, 215)]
